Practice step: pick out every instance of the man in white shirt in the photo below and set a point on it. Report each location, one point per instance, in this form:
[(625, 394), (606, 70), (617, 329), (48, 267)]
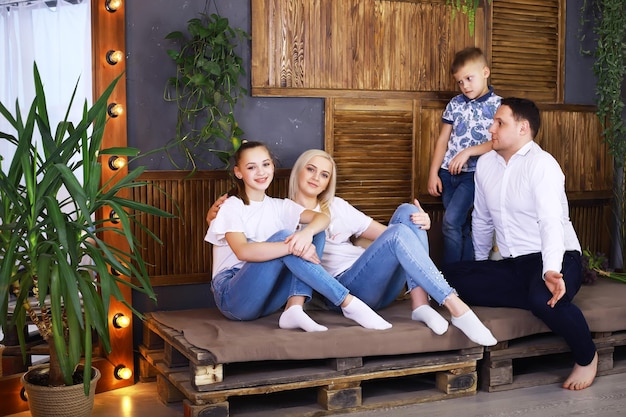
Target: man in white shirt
[(520, 195)]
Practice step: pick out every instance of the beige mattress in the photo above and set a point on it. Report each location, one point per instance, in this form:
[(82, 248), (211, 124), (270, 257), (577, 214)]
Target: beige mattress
[(604, 306)]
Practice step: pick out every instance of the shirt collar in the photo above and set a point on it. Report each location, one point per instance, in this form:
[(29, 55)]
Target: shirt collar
[(523, 151), (481, 98)]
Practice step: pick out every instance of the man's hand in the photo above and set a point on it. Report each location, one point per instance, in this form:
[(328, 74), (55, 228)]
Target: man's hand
[(421, 217), (555, 283), (212, 213)]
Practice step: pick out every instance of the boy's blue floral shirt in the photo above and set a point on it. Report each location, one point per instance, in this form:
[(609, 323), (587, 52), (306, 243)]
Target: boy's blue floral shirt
[(470, 120)]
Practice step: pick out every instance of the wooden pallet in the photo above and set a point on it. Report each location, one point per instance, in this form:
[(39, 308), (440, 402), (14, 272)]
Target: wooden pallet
[(545, 359), (304, 388)]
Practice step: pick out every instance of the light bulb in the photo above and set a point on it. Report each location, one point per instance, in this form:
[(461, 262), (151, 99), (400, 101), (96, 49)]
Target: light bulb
[(115, 109), (115, 219), (122, 372), (120, 321), (112, 5), (116, 162), (113, 57)]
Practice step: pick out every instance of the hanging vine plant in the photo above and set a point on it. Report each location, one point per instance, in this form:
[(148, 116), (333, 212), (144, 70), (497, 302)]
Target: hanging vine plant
[(610, 69), (609, 26), (206, 88), (468, 8)]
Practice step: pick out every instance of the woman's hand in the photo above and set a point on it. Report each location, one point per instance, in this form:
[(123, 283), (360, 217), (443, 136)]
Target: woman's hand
[(421, 217), (212, 213)]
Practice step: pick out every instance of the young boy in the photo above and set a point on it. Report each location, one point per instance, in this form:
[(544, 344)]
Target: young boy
[(463, 138)]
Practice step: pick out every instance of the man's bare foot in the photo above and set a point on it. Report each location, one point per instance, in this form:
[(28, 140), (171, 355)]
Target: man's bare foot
[(582, 376)]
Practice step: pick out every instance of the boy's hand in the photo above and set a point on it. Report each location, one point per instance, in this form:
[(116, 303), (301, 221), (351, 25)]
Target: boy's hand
[(457, 163), (434, 185)]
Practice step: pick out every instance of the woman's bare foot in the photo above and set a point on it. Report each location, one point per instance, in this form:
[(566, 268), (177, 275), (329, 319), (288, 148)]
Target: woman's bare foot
[(582, 376)]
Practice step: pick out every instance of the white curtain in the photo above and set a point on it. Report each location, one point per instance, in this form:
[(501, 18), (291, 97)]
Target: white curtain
[(56, 35)]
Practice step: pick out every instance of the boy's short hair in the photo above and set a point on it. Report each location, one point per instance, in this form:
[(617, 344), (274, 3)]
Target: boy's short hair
[(465, 56)]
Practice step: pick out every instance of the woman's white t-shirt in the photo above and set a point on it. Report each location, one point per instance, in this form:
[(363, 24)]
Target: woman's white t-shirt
[(345, 221), (257, 221)]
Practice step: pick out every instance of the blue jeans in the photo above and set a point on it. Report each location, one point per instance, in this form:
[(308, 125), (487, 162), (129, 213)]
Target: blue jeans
[(457, 196), (261, 288), (398, 256)]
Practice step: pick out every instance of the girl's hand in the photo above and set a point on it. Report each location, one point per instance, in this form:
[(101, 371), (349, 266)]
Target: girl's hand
[(300, 245), (421, 217)]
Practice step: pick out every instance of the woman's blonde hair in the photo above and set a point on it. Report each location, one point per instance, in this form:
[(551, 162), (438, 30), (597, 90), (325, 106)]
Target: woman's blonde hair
[(326, 196)]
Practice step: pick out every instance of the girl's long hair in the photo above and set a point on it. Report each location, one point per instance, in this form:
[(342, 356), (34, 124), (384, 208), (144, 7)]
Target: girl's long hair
[(326, 196), (239, 190)]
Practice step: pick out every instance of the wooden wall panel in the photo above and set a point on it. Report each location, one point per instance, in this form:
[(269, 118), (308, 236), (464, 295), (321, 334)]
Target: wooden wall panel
[(329, 47), (373, 146), (573, 136), (528, 46)]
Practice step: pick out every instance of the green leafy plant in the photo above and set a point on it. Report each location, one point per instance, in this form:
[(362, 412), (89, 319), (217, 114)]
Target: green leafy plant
[(609, 26), (468, 8), (595, 265), (50, 234), (206, 88)]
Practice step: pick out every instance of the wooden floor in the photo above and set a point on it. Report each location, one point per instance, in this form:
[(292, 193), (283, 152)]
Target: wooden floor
[(606, 397)]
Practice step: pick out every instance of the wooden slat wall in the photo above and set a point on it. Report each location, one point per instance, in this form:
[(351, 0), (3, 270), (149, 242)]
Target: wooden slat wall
[(382, 66), (528, 39), (184, 257), (377, 144), (372, 144), (330, 47)]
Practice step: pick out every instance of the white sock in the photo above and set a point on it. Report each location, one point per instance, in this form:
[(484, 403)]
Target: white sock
[(429, 316), (295, 318), (360, 312), (473, 328)]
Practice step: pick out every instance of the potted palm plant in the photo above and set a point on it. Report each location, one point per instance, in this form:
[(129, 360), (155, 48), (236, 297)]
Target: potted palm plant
[(53, 263)]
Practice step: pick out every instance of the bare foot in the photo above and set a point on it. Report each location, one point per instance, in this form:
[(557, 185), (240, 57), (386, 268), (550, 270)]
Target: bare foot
[(582, 376)]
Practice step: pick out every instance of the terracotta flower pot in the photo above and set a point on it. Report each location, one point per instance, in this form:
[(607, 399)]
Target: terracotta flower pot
[(66, 401)]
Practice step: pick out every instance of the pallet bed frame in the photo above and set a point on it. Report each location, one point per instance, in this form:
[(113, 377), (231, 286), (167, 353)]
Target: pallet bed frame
[(182, 373), (527, 355)]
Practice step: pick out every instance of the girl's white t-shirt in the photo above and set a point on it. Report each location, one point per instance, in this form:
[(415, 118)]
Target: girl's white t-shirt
[(345, 221), (257, 221)]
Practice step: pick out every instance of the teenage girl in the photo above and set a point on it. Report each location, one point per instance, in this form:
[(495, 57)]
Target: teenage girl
[(256, 245)]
